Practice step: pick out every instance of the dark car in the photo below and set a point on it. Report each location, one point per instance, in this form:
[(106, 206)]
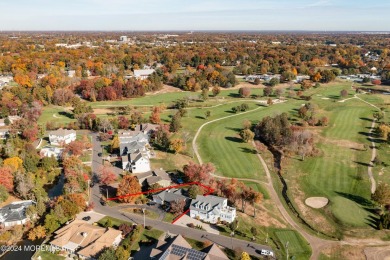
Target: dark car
[(86, 218), (151, 203), (100, 154), (104, 203)]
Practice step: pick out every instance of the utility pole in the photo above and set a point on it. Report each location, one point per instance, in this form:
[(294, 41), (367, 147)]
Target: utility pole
[(107, 193), (143, 211), (231, 238), (287, 249)]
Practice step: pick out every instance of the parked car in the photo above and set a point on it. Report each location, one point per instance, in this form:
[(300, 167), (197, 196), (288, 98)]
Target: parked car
[(151, 203), (100, 154), (267, 252), (86, 218)]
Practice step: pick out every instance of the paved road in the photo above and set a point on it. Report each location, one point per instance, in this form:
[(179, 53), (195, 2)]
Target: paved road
[(228, 242)]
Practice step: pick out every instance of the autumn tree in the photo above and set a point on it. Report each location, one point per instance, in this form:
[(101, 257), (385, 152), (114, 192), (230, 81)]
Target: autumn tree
[(207, 113), (177, 206), (194, 191), (161, 137), (344, 93), (245, 256), (254, 232), (176, 145), (107, 176), (155, 116), (267, 91), (198, 173), (7, 178), (15, 163), (216, 90), (115, 144), (37, 232), (128, 185), (244, 92)]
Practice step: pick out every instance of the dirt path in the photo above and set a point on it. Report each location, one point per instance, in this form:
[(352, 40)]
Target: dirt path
[(373, 155), (373, 146)]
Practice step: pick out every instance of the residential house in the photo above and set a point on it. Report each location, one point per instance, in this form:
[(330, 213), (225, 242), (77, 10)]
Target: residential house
[(13, 119), (71, 73), (143, 74), (4, 133), (51, 152), (176, 247), (15, 213), (166, 197), (84, 239), (62, 136), (134, 149), (2, 122), (211, 209), (158, 176), (139, 162)]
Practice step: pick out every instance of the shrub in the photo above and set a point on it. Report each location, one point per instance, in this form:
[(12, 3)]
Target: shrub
[(148, 227)]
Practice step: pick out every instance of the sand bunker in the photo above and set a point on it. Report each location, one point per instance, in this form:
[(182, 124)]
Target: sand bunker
[(317, 202)]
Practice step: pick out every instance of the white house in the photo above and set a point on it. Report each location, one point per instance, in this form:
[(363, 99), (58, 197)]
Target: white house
[(143, 74), (139, 162), (62, 136), (15, 213), (4, 133), (51, 151), (211, 209)]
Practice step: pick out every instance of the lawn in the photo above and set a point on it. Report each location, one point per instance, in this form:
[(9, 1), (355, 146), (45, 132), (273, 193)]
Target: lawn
[(55, 114), (258, 187), (297, 247), (115, 222), (46, 255), (220, 143)]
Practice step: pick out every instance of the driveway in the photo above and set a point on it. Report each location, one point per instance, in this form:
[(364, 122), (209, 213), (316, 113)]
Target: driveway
[(186, 219), (95, 217)]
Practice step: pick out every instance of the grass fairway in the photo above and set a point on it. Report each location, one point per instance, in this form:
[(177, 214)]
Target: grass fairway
[(297, 247), (340, 174), (220, 143)]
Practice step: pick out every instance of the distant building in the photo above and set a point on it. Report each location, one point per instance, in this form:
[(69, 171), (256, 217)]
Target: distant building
[(71, 73), (143, 74), (123, 39), (84, 239), (15, 213), (62, 136), (177, 247), (211, 209), (13, 119)]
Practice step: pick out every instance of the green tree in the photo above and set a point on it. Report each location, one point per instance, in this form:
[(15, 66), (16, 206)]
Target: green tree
[(273, 82), (194, 191), (108, 254), (3, 193), (254, 232), (51, 223), (49, 163), (108, 223), (175, 124), (122, 253), (207, 113), (382, 194), (247, 135)]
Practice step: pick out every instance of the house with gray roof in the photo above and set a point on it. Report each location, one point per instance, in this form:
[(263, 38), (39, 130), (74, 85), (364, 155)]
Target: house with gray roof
[(134, 149), (62, 136), (176, 247), (158, 176), (211, 209), (15, 213), (166, 197)]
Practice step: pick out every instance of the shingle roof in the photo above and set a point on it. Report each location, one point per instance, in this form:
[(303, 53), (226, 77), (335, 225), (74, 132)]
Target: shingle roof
[(15, 211), (62, 132)]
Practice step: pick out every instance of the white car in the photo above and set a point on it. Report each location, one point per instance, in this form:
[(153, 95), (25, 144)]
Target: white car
[(267, 252)]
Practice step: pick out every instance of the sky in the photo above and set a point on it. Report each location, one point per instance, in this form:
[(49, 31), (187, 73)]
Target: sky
[(160, 15)]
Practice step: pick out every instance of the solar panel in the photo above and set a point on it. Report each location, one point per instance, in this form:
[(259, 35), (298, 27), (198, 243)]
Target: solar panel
[(192, 254)]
